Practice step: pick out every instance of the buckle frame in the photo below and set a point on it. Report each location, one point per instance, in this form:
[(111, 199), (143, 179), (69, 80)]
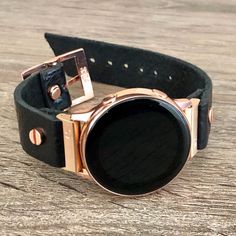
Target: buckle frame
[(82, 73)]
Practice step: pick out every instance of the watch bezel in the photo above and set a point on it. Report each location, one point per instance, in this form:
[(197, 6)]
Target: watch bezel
[(113, 100)]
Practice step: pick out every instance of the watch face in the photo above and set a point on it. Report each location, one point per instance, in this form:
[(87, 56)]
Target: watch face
[(137, 146)]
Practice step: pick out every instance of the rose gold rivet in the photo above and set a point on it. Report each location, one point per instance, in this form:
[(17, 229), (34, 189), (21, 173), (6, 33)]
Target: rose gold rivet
[(211, 115), (36, 136), (55, 92)]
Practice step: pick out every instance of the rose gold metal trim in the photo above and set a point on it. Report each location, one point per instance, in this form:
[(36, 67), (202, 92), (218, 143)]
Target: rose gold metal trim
[(127, 95), (190, 108), (82, 117), (191, 113), (86, 84), (71, 131), (109, 99), (55, 92), (211, 115), (160, 93), (183, 103), (36, 136), (75, 140), (82, 72), (84, 174)]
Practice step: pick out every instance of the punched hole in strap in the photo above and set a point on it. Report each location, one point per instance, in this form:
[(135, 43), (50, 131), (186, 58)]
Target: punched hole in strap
[(141, 69), (109, 63), (92, 59), (155, 72)]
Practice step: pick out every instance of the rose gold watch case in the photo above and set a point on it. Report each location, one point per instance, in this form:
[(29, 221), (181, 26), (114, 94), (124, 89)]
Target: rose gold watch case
[(187, 107), (76, 126)]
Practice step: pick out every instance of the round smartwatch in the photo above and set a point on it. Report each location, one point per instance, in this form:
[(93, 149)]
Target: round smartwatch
[(134, 141)]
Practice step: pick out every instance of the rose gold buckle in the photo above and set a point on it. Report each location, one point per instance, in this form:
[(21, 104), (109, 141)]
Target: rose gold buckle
[(82, 73)]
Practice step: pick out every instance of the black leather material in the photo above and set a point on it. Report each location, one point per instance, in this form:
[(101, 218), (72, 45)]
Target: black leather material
[(33, 112), (147, 69), (51, 77), (111, 64)]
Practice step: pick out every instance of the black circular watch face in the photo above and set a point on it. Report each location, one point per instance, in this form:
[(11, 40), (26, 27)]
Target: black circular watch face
[(137, 146)]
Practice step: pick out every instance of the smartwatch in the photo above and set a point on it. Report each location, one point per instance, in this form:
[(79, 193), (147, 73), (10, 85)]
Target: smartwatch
[(134, 141)]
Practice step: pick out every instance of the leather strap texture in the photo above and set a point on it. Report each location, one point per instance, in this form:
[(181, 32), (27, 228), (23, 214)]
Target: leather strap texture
[(110, 64)]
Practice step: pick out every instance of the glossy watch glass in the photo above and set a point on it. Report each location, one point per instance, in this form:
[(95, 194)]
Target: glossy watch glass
[(136, 145)]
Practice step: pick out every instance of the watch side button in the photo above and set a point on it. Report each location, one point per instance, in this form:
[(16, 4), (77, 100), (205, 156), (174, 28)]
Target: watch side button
[(109, 99)]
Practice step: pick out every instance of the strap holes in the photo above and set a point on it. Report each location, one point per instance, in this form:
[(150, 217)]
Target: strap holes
[(155, 72), (141, 69), (92, 60), (126, 66), (109, 63)]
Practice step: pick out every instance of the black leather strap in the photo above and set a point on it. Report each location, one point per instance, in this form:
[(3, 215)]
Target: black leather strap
[(116, 65), (32, 112)]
